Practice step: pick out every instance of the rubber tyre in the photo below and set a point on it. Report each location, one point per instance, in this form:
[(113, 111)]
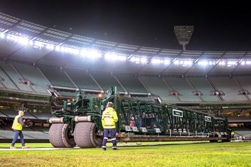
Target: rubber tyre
[(60, 137), (85, 135)]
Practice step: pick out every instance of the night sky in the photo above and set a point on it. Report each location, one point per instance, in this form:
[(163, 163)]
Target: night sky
[(224, 26)]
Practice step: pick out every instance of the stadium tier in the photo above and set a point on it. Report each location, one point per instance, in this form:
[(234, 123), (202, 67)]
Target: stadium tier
[(41, 67)]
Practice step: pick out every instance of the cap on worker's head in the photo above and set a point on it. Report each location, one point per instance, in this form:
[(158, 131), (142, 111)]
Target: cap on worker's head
[(109, 104)]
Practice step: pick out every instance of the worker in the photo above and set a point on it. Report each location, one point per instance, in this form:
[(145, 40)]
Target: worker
[(109, 119), (132, 123), (232, 134), (17, 127)]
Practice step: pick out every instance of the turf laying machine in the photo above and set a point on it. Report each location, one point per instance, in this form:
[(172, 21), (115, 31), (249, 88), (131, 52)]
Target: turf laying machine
[(78, 123)]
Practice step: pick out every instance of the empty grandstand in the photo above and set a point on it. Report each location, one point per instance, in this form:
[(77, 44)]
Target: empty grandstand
[(40, 67)]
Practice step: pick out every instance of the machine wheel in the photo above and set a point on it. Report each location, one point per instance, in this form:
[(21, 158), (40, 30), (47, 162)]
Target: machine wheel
[(85, 135), (60, 136)]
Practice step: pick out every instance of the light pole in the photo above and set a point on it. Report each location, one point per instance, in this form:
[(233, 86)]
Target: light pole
[(183, 34)]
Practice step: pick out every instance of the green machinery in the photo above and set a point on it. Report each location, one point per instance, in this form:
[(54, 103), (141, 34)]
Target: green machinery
[(78, 123)]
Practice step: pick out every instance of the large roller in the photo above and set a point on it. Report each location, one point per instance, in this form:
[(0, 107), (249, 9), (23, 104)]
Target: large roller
[(78, 123)]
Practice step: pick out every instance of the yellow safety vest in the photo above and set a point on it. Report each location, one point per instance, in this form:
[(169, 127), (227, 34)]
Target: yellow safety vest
[(16, 125), (109, 118)]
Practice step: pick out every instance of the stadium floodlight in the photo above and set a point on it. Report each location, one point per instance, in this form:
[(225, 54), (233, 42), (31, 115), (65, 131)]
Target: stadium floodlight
[(183, 34)]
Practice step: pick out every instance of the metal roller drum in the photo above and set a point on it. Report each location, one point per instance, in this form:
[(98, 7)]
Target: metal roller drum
[(82, 118), (56, 120)]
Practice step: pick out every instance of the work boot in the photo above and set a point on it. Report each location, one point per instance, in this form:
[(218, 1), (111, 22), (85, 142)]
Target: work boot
[(12, 147), (24, 147)]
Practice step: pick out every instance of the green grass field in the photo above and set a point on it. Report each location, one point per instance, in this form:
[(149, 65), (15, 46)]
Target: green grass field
[(187, 154)]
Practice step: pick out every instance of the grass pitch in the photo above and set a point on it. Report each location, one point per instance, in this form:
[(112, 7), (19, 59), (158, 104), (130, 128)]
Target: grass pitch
[(171, 154)]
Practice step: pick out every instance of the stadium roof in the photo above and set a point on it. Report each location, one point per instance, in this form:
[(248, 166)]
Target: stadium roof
[(35, 44)]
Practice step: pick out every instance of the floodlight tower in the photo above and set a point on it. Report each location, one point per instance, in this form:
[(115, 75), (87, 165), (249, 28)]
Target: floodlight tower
[(183, 34)]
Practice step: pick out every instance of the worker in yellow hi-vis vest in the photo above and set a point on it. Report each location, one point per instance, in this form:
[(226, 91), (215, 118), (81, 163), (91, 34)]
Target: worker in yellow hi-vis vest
[(232, 134), (109, 119), (17, 127)]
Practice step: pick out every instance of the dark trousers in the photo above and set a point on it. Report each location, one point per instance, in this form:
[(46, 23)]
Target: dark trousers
[(112, 133), (16, 134)]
